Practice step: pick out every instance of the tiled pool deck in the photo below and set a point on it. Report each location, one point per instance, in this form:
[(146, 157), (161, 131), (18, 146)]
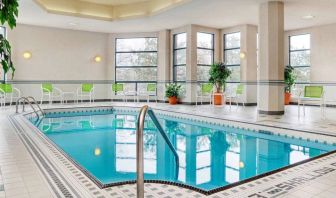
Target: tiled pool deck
[(30, 167)]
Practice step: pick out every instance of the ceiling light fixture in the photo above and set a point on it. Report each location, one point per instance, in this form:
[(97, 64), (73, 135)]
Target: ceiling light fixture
[(72, 24), (308, 17)]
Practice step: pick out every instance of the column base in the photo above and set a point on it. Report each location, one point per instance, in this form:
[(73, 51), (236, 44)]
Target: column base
[(271, 112)]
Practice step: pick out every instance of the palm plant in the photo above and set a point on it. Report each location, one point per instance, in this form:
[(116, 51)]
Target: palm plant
[(290, 78), (9, 11), (219, 73)]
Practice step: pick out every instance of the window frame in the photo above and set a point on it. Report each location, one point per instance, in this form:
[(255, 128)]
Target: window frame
[(136, 82), (299, 50), (209, 49), (230, 49), (174, 55)]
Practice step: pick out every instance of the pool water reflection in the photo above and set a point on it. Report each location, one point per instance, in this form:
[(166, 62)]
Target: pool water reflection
[(210, 156)]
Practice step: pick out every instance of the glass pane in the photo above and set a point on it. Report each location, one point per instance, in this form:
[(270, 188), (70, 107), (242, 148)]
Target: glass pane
[(136, 74), (232, 40), (204, 40), (129, 87), (136, 44), (203, 73), (204, 57), (300, 58), (235, 75), (180, 73), (300, 42), (232, 57), (302, 73), (180, 57), (180, 40), (136, 59)]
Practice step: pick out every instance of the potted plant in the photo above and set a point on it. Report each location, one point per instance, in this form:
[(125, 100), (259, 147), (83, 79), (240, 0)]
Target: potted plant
[(290, 79), (219, 73), (173, 92)]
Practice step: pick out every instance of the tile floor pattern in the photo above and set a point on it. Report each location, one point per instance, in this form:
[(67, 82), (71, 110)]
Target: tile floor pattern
[(21, 177)]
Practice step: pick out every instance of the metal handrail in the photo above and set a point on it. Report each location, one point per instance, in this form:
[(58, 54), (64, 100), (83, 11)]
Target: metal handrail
[(38, 106), (139, 147), (26, 99)]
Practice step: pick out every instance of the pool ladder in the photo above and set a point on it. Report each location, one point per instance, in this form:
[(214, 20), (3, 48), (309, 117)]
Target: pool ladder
[(139, 147), (29, 100)]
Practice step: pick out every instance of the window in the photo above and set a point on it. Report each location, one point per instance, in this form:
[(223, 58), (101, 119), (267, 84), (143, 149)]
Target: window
[(179, 57), (3, 33), (299, 56), (136, 61), (205, 55), (232, 54)]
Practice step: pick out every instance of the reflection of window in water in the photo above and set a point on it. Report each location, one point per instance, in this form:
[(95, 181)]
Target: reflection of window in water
[(203, 159), (181, 151), (126, 151), (232, 158), (298, 153)]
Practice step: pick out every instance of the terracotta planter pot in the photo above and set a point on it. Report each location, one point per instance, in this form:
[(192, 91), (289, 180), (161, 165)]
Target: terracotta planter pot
[(172, 100), (287, 98), (218, 99)]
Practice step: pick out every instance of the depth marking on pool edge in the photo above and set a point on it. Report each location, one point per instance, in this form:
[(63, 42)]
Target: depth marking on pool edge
[(284, 187)]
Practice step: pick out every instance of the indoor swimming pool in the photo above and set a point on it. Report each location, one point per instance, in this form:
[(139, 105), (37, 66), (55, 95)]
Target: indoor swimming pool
[(211, 156)]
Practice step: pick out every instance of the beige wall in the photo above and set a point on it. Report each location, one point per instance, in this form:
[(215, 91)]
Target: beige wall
[(58, 54)]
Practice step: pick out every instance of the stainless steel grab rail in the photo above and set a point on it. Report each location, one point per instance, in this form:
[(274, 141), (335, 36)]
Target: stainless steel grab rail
[(26, 99), (36, 103), (139, 147)]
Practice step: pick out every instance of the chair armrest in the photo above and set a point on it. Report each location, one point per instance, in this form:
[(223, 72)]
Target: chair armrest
[(58, 90), (17, 91), (2, 91)]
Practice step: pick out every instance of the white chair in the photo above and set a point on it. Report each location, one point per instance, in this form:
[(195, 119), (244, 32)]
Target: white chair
[(86, 90), (150, 92), (8, 92), (205, 93), (236, 96), (51, 93), (313, 95)]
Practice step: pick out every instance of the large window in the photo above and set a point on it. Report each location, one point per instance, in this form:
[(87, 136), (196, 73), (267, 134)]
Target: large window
[(179, 57), (232, 54), (136, 62), (299, 56), (205, 55)]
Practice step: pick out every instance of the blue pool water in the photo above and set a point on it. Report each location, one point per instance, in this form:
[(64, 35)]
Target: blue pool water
[(210, 156)]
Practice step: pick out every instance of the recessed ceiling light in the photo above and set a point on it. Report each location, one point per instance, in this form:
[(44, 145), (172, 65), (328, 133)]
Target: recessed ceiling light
[(307, 17), (72, 24)]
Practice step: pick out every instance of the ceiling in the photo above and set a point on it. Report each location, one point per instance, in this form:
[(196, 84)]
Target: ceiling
[(212, 13), (113, 2)]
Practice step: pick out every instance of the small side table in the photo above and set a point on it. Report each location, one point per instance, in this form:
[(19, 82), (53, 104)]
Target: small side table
[(68, 95)]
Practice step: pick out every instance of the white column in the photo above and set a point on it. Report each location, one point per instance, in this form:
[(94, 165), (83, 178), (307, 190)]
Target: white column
[(163, 70), (271, 56), (248, 64)]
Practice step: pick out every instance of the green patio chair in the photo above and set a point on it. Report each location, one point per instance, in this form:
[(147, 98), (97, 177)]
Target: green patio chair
[(118, 90), (8, 92), (236, 96), (51, 93), (85, 90), (149, 92), (205, 92), (311, 95)]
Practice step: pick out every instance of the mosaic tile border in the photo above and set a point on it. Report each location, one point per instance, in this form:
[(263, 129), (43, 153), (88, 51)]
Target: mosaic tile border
[(131, 109)]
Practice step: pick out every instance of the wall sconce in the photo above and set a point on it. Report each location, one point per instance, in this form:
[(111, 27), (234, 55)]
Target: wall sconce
[(242, 55), (241, 165), (97, 59), (27, 55)]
